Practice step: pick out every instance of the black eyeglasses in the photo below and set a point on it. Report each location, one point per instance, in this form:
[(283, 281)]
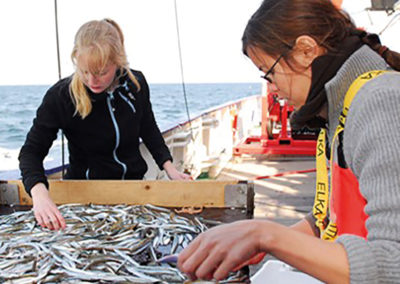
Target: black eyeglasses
[(271, 70)]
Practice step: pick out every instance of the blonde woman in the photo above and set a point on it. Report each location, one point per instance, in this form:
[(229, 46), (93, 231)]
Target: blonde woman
[(103, 109)]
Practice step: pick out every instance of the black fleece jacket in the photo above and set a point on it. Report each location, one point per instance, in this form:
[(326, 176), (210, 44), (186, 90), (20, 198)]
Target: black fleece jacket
[(104, 145)]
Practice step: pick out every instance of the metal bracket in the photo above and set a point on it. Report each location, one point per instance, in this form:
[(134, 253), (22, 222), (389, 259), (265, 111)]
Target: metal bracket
[(236, 195), (9, 194)]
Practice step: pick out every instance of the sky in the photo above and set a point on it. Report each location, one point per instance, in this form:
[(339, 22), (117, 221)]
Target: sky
[(378, 22), (210, 34)]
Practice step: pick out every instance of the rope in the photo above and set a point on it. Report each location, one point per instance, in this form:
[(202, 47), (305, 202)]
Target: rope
[(288, 173), (59, 78), (391, 23), (181, 65)]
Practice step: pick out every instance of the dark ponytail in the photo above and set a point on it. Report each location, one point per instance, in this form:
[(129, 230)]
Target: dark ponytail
[(372, 40), (275, 26)]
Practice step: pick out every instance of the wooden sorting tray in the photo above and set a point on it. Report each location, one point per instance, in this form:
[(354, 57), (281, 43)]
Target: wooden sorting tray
[(224, 201)]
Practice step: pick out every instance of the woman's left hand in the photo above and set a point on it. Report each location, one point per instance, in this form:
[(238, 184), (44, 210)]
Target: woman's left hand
[(173, 173), (222, 249)]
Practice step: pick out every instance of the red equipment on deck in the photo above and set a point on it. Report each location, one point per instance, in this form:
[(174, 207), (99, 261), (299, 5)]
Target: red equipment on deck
[(276, 112)]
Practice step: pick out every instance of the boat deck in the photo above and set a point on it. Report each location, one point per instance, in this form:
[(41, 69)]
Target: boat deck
[(285, 199)]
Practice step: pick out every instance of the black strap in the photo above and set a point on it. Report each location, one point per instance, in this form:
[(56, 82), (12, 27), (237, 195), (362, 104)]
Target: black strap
[(340, 153)]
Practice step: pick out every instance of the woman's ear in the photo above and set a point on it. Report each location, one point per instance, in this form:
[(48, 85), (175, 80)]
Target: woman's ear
[(306, 50)]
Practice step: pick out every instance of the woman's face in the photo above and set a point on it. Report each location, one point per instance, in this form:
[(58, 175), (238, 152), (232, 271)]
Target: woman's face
[(97, 82), (290, 85)]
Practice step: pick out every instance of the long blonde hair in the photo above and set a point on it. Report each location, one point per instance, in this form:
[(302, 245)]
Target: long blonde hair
[(102, 42)]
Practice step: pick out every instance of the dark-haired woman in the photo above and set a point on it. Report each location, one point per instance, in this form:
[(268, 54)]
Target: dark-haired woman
[(311, 53)]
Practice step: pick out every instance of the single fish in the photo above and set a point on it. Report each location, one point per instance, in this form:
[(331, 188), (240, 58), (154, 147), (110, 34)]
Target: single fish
[(171, 258)]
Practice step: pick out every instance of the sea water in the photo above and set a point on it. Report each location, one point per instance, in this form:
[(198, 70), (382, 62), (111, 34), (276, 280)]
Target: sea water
[(19, 104)]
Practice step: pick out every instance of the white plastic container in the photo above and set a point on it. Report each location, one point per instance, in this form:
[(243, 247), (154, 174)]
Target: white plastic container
[(278, 272)]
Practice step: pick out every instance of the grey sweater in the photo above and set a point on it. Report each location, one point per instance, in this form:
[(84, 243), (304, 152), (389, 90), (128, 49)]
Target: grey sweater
[(372, 151)]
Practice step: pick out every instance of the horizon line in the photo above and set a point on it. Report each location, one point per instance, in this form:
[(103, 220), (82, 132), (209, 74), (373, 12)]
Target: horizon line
[(150, 83)]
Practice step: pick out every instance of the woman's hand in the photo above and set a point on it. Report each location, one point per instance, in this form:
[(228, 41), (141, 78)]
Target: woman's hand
[(253, 260), (46, 212), (173, 173), (222, 249), (216, 252)]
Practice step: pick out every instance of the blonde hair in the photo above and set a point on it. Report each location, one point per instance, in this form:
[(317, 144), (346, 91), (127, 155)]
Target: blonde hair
[(102, 42)]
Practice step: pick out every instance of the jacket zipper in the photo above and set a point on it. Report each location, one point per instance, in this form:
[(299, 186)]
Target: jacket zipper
[(128, 102), (111, 109)]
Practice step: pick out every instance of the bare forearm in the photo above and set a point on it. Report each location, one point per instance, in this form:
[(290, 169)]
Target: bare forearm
[(168, 166), (38, 189), (324, 260), (304, 227)]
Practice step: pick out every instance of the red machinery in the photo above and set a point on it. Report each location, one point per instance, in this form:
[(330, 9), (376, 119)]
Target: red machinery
[(274, 113)]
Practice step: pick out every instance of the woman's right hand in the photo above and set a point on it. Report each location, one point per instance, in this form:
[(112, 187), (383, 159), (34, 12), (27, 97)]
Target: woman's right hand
[(224, 248), (46, 212)]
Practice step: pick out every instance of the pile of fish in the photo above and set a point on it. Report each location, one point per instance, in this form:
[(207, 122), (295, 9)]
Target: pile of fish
[(106, 244)]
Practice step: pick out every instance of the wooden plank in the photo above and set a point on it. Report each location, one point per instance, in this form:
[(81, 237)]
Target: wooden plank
[(162, 193)]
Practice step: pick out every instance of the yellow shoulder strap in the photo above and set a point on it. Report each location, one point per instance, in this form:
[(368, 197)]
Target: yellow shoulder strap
[(353, 90), (328, 230)]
